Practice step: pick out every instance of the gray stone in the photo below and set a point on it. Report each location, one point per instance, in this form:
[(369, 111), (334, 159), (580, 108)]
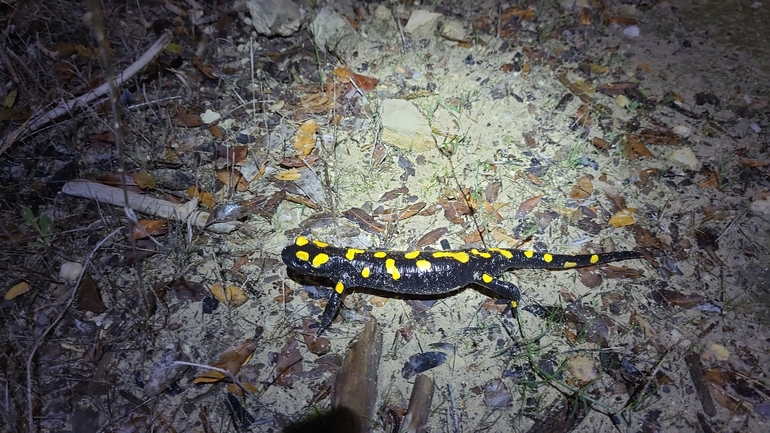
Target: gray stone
[(274, 17), (405, 127)]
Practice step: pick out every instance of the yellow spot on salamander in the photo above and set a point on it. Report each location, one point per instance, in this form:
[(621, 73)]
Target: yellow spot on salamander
[(339, 288), (321, 244), (423, 265), (568, 265), (351, 254), (594, 258), (460, 256), (514, 304), (320, 259), (380, 254), (529, 253), (487, 278), (303, 255), (484, 254), (412, 254), (365, 272), (505, 253), (547, 257), (301, 241), (390, 267)]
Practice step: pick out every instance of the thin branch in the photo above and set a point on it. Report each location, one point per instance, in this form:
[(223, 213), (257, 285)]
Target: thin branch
[(83, 100)]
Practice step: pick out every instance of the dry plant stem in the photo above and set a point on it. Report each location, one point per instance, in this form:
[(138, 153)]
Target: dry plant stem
[(147, 205), (62, 312), (83, 100)]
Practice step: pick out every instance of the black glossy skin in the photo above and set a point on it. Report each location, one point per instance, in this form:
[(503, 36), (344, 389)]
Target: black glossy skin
[(424, 272)]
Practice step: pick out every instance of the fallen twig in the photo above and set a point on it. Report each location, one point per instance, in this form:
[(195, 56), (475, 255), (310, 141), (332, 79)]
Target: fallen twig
[(30, 127), (147, 205)]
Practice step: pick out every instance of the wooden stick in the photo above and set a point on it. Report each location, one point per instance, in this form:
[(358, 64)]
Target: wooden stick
[(146, 204), (65, 107)]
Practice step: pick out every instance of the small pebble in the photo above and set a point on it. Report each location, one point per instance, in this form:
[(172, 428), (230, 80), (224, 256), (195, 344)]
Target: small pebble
[(631, 31)]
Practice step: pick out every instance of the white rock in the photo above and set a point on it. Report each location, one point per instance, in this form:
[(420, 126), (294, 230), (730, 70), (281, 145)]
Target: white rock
[(333, 31), (682, 131), (274, 17), (684, 157), (631, 31), (755, 127), (70, 271), (405, 127), (209, 117), (421, 18), (761, 206), (453, 30)]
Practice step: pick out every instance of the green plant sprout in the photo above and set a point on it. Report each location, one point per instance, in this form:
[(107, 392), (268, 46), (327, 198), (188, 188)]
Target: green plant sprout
[(41, 224)]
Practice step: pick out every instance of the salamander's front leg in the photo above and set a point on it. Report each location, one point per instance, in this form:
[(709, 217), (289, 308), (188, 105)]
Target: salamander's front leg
[(507, 291), (331, 307)]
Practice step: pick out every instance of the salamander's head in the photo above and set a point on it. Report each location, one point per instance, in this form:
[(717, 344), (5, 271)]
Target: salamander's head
[(307, 257)]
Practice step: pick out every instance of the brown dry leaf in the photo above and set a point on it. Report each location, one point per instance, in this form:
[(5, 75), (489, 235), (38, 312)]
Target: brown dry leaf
[(238, 391), (624, 217), (289, 364), (661, 135), (600, 143), (297, 162), (432, 237), (637, 319), (454, 210), (583, 115), (582, 189), (528, 206), (187, 120), (711, 178), (113, 179), (726, 400), (315, 103), (748, 162), (285, 294), (144, 179), (288, 175), (584, 17), (364, 220), (637, 146), (599, 69), (393, 215), (233, 358), (317, 345), (217, 131), (301, 199), (104, 137), (679, 299), (149, 228), (232, 296), (304, 141), (208, 70), (362, 82), (233, 179), (533, 178), (231, 155), (394, 193), (205, 198), (88, 298), (65, 70), (16, 291)]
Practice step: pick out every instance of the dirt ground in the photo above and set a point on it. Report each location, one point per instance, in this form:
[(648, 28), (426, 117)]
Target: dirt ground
[(568, 127)]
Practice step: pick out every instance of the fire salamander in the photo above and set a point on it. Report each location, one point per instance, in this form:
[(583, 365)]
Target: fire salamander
[(424, 272)]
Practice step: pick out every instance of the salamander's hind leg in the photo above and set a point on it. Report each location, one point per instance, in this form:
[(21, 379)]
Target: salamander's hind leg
[(509, 292), (331, 308)]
